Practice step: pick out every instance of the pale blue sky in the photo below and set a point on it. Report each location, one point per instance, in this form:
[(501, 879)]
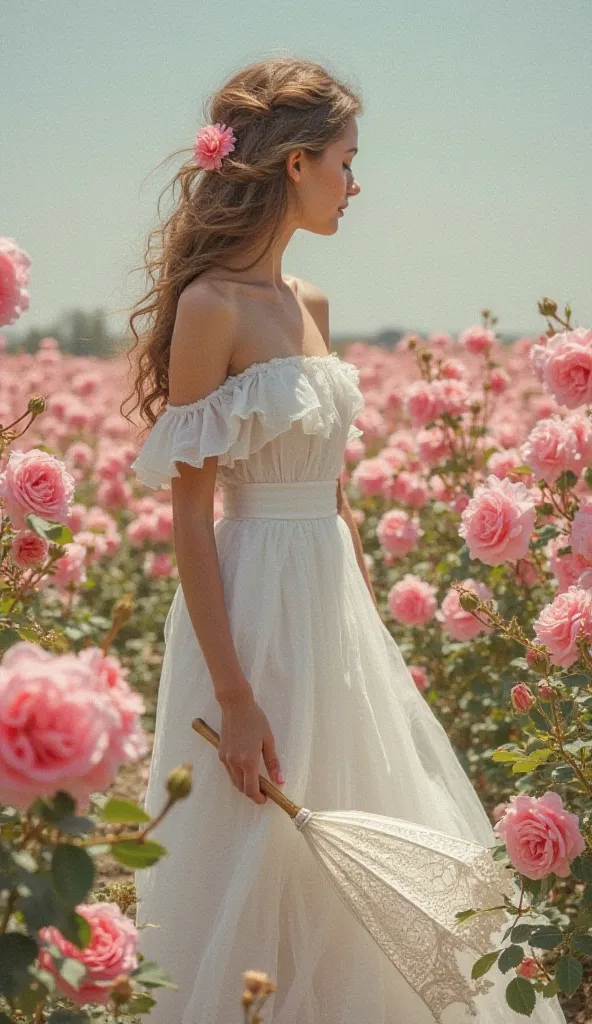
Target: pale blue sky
[(475, 148)]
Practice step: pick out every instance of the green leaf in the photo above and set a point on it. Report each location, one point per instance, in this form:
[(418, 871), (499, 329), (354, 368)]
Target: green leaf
[(510, 957), (582, 944), (521, 996), (568, 974), (140, 1003), (581, 868), (509, 756), (39, 907), (484, 964), (522, 932), (17, 952), (73, 872), (118, 811), (66, 1017), (464, 915), (152, 975), (550, 990), (547, 937), (8, 637), (532, 761), (75, 928), (54, 532), (136, 854)]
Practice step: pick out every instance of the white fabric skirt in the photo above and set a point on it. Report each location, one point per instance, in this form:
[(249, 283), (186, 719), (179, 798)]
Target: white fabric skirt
[(240, 889)]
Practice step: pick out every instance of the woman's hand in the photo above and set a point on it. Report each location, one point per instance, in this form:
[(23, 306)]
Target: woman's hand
[(245, 735)]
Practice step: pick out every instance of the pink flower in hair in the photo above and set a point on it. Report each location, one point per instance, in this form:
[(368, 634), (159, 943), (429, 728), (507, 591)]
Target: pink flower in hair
[(212, 143)]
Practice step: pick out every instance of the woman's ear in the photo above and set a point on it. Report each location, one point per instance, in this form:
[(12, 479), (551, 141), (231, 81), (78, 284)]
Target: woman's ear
[(293, 165)]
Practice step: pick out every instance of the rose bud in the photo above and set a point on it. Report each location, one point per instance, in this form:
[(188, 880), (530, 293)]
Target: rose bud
[(469, 602), (522, 699), (537, 661), (546, 691), (180, 781)]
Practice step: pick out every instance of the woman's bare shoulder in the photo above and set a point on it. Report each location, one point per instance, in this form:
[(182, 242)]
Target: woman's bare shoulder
[(306, 289)]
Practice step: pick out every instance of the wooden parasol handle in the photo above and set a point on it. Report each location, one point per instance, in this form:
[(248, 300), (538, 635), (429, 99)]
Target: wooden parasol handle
[(266, 785)]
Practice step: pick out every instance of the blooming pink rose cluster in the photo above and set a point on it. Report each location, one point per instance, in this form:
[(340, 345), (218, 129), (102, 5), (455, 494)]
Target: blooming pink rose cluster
[(397, 532), (111, 953), (36, 482), (412, 601), (66, 722), (14, 278), (425, 401), (560, 623), (477, 339), (498, 521), (541, 837), (564, 364), (556, 445)]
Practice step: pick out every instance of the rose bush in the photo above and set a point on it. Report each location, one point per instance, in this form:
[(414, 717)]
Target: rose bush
[(489, 597)]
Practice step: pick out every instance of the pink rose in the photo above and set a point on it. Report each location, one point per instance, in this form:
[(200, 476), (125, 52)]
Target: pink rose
[(581, 533), (397, 533), (70, 567), (158, 565), (114, 493), (422, 403), (498, 522), (559, 624), (502, 464), (477, 339), (111, 952), (61, 725), (14, 278), (371, 476), (550, 449), (522, 698), (567, 367), (527, 968), (499, 381), (452, 369), (28, 549), (433, 446), (498, 811), (461, 625), (569, 567), (419, 676), (452, 395), (541, 837), (412, 601), (36, 482), (410, 489)]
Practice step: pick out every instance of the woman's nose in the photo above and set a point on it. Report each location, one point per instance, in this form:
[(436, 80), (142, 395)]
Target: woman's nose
[(355, 187)]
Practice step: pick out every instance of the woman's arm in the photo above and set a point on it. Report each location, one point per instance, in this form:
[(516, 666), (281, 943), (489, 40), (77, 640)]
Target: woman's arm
[(194, 372)]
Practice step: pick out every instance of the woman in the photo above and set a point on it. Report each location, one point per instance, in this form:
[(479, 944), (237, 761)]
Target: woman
[(273, 636)]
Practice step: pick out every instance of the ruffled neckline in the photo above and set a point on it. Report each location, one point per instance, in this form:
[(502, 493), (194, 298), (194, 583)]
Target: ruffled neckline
[(267, 365)]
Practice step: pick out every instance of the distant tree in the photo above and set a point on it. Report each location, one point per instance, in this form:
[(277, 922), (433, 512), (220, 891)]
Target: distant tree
[(78, 332)]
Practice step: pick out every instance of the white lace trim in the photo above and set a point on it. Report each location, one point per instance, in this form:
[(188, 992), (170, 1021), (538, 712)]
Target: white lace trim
[(245, 412), (405, 883)]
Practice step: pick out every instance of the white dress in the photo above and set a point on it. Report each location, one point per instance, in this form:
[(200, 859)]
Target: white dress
[(239, 888)]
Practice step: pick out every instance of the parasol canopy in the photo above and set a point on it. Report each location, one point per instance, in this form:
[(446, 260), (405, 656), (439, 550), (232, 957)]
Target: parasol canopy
[(405, 883)]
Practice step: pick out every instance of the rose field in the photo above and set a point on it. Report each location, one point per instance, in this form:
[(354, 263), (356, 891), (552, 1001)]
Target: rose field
[(471, 487)]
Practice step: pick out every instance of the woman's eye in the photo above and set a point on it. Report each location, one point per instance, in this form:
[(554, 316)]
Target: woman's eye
[(347, 167)]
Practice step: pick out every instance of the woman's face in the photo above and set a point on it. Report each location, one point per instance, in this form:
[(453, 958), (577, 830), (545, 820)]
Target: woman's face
[(326, 184)]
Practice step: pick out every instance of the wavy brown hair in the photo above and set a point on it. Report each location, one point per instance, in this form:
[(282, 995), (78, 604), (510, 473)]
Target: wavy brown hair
[(274, 106)]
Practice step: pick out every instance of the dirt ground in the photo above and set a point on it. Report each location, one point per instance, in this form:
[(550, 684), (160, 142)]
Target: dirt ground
[(131, 784)]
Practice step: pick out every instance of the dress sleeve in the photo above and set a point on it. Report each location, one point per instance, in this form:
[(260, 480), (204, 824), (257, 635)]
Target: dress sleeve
[(236, 420)]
